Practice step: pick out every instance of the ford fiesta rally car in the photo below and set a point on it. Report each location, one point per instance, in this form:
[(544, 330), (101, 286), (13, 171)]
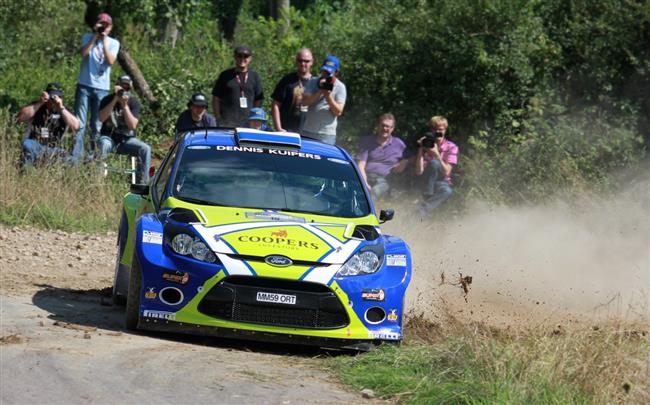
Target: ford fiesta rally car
[(258, 235)]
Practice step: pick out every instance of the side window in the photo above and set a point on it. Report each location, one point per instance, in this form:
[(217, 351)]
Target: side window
[(163, 177)]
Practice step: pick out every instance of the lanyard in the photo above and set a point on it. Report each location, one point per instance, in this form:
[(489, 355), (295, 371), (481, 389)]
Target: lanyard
[(241, 87)]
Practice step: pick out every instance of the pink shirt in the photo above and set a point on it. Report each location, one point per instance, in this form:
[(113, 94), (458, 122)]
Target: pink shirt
[(448, 154)]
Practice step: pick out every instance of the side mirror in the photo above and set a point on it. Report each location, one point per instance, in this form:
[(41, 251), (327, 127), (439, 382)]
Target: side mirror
[(139, 189), (386, 215)]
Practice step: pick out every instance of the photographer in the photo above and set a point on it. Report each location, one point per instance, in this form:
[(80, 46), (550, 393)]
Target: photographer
[(324, 97), (437, 154), (196, 115), (98, 53), (48, 119), (120, 112)]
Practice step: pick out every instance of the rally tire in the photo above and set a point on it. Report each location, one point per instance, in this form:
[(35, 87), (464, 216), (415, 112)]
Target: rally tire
[(132, 313)]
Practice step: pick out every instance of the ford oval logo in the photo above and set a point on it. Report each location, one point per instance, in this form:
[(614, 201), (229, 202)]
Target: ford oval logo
[(277, 260)]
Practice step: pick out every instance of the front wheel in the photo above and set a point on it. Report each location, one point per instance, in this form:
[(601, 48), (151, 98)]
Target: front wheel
[(133, 297)]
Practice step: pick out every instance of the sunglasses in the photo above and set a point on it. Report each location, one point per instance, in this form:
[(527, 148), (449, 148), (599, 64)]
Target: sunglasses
[(303, 60), (242, 55)]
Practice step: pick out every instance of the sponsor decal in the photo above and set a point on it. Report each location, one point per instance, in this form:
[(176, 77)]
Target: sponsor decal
[(152, 237), (151, 293), (281, 152), (278, 260), (170, 316), (373, 294), (279, 241), (392, 315), (175, 276), (280, 234), (396, 260), (384, 335)]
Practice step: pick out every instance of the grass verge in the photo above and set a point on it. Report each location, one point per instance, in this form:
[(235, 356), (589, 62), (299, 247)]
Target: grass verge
[(470, 364)]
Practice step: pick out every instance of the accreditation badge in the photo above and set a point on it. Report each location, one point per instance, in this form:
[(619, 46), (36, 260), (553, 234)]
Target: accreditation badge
[(243, 102)]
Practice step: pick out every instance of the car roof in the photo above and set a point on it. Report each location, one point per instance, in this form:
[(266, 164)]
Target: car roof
[(226, 137)]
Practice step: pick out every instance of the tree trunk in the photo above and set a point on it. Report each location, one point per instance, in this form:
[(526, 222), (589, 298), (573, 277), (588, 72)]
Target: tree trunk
[(280, 10), (170, 31)]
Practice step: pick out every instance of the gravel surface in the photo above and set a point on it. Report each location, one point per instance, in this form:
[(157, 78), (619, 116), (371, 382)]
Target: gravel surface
[(62, 342)]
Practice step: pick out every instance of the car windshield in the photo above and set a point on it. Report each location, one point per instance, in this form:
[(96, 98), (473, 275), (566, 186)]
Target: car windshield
[(277, 179)]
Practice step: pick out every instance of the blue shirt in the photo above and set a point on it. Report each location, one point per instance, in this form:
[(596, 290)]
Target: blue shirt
[(95, 70)]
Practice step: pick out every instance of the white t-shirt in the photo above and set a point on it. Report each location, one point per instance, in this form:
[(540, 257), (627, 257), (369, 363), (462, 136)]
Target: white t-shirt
[(95, 70)]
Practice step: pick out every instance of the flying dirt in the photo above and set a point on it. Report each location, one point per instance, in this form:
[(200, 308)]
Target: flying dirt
[(527, 266)]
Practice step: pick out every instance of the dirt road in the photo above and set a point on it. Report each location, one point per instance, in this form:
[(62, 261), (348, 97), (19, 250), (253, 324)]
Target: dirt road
[(61, 341)]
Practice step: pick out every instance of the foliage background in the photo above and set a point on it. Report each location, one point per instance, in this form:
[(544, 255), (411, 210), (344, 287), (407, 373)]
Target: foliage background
[(542, 96)]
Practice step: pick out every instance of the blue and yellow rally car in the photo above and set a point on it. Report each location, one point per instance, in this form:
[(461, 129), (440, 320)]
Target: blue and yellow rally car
[(264, 236)]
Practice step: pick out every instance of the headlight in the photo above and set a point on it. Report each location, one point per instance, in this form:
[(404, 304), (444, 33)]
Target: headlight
[(185, 245), (366, 262), (182, 244), (201, 252)]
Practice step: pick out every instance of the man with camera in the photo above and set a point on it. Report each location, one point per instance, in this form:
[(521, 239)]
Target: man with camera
[(196, 116), (438, 155), (324, 98), (49, 119), (380, 155), (287, 109), (237, 90), (98, 53), (119, 112)]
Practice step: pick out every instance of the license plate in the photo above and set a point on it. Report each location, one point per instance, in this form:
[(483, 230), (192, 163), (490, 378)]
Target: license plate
[(276, 298)]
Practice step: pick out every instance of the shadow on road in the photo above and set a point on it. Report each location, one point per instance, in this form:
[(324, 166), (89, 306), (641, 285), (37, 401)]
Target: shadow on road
[(94, 308)]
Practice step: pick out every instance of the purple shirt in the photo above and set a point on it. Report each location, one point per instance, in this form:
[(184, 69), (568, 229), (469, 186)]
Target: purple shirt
[(380, 159)]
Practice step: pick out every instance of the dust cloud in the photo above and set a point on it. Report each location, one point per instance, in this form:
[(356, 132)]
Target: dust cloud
[(531, 265)]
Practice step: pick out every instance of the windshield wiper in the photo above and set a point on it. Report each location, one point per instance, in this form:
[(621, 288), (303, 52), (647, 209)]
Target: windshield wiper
[(198, 201)]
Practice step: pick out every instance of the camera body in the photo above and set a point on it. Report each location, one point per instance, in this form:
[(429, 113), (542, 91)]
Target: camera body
[(430, 138), (123, 93), (326, 83), (101, 29)]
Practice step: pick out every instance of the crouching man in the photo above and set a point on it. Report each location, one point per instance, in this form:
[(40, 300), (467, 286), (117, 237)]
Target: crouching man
[(438, 156), (49, 119), (119, 113)]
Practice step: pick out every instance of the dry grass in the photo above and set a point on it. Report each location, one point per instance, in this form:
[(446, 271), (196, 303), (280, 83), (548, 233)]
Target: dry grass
[(608, 362)]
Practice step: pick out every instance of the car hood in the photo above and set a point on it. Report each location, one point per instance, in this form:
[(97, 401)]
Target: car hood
[(308, 242)]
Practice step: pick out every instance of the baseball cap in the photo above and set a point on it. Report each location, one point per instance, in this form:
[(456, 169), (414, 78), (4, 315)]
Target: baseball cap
[(104, 18), (331, 64), (257, 114), (198, 99), (125, 79), (54, 89), (243, 50)]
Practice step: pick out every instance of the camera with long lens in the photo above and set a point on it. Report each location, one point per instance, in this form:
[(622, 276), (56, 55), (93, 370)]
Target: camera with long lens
[(327, 83), (101, 29), (429, 140)]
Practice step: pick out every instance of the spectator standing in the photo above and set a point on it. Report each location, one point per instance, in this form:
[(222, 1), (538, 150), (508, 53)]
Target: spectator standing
[(438, 155), (98, 53), (120, 112), (325, 97), (237, 90), (287, 109), (49, 119), (196, 115), (381, 155), (257, 119)]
